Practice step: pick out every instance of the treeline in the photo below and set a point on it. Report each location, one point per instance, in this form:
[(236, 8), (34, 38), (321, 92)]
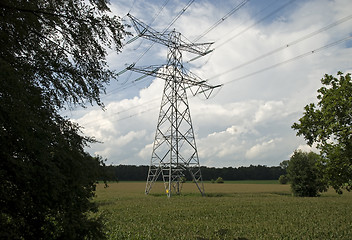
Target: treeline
[(140, 173)]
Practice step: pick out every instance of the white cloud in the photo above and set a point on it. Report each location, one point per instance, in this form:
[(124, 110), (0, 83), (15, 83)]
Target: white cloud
[(269, 111), (307, 148), (262, 148), (249, 120), (129, 137)]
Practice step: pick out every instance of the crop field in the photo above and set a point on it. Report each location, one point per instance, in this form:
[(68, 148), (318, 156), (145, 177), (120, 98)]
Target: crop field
[(235, 210)]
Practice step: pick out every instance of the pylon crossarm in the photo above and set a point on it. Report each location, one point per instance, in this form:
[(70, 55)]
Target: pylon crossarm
[(163, 38), (159, 71), (146, 31), (196, 48), (198, 86), (152, 70), (189, 79)]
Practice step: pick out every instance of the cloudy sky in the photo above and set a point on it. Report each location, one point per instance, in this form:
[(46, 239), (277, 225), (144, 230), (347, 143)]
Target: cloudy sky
[(269, 55)]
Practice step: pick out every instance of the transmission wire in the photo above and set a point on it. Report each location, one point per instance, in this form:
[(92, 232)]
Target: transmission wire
[(264, 55), (230, 32), (154, 18), (292, 59), (235, 9), (265, 69), (342, 20), (255, 23), (272, 52), (170, 24), (134, 1), (126, 110)]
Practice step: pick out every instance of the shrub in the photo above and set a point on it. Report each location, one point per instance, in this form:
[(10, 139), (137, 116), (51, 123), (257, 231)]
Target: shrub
[(305, 178), (219, 180), (283, 179)]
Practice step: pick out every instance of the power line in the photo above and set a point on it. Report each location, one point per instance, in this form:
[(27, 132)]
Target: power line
[(152, 44), (130, 84), (255, 23), (183, 10), (290, 44), (154, 18), (292, 59), (134, 1), (178, 15), (235, 9), (270, 53), (254, 15), (262, 70), (126, 110), (270, 4)]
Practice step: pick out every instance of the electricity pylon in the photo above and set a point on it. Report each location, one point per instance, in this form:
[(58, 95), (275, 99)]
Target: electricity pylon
[(174, 148)]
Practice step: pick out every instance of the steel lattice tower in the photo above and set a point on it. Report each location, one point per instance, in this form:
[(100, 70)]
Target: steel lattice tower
[(174, 149)]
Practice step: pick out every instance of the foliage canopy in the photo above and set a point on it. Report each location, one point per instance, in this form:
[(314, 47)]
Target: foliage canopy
[(283, 179), (304, 176), (52, 54), (329, 125), (61, 45)]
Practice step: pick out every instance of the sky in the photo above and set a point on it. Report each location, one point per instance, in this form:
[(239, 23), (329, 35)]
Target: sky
[(268, 55)]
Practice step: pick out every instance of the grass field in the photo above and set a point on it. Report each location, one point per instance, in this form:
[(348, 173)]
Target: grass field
[(236, 210)]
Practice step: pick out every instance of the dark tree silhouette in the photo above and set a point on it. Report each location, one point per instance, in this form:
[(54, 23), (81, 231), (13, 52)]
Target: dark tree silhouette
[(52, 55)]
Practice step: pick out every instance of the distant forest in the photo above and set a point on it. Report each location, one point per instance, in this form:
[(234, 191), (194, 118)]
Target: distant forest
[(140, 173)]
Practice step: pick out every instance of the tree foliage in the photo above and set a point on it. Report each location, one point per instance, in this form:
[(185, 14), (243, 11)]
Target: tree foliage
[(284, 164), (283, 179), (305, 178), (52, 53), (329, 125), (140, 173), (219, 180), (61, 44)]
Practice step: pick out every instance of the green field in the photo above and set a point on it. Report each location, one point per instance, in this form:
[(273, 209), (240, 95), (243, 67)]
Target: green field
[(236, 210)]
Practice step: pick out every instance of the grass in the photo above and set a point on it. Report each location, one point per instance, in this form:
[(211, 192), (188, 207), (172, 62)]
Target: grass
[(252, 182), (230, 211)]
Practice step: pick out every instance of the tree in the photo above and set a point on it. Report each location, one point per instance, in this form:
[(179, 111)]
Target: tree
[(52, 54), (219, 180), (329, 125), (61, 45), (284, 164), (304, 176), (283, 179)]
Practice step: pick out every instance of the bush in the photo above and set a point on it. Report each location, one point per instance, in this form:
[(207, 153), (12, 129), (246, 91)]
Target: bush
[(219, 180), (305, 178), (283, 179)]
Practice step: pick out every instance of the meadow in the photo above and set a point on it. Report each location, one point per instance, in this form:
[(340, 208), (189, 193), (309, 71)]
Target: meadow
[(234, 210)]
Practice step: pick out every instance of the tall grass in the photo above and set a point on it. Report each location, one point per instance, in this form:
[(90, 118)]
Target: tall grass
[(230, 211)]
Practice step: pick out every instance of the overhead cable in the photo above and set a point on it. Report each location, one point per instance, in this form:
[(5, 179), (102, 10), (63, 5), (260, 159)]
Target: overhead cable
[(183, 10), (290, 44), (154, 18), (235, 9), (134, 1), (292, 59), (178, 15), (126, 110), (349, 37), (255, 23)]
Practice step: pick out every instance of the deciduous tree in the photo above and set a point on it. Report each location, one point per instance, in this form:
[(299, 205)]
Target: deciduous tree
[(329, 125), (304, 176), (52, 55)]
